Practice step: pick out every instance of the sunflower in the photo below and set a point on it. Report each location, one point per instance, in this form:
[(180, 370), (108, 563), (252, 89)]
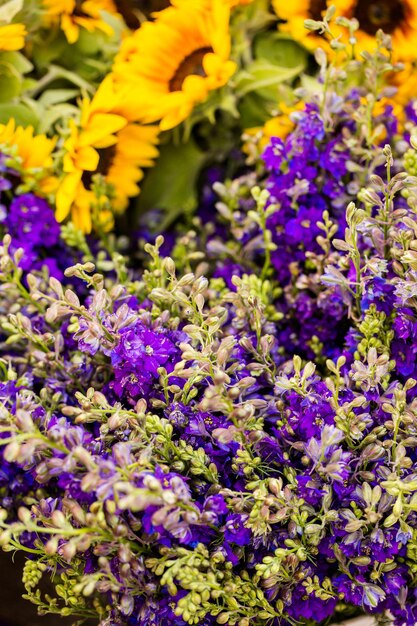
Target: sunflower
[(105, 142), (175, 61), (33, 153), (72, 15), (96, 130), (12, 36), (397, 18)]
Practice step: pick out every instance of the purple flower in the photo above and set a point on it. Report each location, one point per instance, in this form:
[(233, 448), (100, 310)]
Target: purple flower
[(31, 222), (235, 530), (309, 607), (139, 354), (274, 154), (310, 489)]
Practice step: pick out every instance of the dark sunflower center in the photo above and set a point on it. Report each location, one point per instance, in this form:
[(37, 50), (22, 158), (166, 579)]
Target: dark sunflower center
[(147, 7), (131, 9), (104, 164), (106, 160), (192, 64), (127, 11), (375, 14), (316, 9), (78, 9)]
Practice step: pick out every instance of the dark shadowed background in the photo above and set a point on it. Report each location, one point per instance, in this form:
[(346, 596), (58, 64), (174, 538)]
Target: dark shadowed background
[(13, 610)]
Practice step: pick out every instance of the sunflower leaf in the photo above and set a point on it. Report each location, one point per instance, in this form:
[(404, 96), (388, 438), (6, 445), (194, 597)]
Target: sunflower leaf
[(22, 115), (18, 60), (56, 96), (10, 82), (261, 74), (51, 115), (255, 110), (280, 50), (172, 184)]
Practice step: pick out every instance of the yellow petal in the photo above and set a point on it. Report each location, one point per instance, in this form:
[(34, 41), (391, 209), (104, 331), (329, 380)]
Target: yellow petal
[(12, 37), (87, 159), (70, 29), (100, 127), (66, 194)]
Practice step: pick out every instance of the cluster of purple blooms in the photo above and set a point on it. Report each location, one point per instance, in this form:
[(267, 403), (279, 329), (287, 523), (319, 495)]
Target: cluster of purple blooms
[(311, 172), (230, 437), (31, 223)]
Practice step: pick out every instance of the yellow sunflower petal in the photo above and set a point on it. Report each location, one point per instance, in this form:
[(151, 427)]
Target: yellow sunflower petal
[(70, 28), (81, 209), (135, 149), (87, 159), (66, 194), (100, 129), (12, 37)]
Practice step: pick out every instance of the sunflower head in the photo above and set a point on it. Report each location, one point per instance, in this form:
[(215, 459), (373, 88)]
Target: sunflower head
[(175, 61), (73, 15), (33, 153), (373, 15), (104, 157), (384, 14), (397, 18)]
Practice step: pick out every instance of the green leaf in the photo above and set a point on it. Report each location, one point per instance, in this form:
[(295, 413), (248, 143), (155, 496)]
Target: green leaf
[(172, 184), (29, 84), (22, 114), (45, 55), (219, 101), (56, 73), (277, 59), (10, 9), (87, 43), (254, 111), (280, 50), (17, 60), (55, 113), (57, 96), (261, 74), (10, 82), (72, 77)]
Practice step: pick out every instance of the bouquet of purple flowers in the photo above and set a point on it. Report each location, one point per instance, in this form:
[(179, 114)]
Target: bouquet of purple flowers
[(212, 419)]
